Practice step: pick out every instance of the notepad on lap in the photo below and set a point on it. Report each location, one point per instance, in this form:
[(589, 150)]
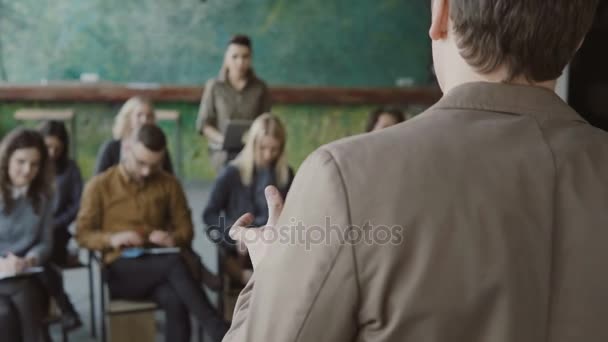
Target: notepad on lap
[(26, 272)]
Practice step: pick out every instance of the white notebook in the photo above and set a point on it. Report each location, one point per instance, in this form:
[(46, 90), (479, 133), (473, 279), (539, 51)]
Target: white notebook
[(27, 271)]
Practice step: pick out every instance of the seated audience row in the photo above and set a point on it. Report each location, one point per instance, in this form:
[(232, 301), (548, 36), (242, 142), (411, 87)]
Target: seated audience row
[(134, 201), (152, 203)]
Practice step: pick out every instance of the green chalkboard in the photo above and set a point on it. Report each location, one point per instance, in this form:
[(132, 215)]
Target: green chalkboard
[(364, 43)]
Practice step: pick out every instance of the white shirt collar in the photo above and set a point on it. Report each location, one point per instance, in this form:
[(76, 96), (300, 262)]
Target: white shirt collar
[(18, 191)]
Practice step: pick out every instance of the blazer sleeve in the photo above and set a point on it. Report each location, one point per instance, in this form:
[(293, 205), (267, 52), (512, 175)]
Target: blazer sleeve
[(306, 287), (206, 113), (75, 191), (214, 214)]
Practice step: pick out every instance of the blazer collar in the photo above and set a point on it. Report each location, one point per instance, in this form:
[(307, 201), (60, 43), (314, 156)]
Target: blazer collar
[(541, 103), (18, 191)]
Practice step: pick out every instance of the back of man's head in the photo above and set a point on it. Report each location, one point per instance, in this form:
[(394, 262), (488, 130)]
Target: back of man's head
[(152, 137), (532, 39)]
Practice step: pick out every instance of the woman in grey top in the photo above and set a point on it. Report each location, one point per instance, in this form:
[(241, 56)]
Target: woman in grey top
[(236, 94), (25, 234)]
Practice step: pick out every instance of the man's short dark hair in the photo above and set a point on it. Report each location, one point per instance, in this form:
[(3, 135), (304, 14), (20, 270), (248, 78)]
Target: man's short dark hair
[(152, 137), (534, 39)]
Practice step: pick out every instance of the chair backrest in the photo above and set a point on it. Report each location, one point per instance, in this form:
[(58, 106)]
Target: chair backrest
[(44, 114), (166, 115)]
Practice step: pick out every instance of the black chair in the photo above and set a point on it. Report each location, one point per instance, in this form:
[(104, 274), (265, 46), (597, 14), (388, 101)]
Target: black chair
[(54, 316), (113, 307)]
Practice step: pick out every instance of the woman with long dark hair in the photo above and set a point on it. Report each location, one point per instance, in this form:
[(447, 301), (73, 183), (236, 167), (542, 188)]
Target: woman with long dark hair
[(25, 234), (68, 189)]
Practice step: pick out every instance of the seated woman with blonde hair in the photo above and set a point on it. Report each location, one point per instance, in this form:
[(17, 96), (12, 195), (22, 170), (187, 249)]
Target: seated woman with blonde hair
[(239, 189), (136, 112)]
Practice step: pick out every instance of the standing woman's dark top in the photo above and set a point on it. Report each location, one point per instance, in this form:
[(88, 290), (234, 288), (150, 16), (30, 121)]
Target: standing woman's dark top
[(236, 94)]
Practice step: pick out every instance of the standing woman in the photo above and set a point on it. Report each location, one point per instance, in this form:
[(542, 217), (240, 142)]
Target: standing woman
[(136, 112), (237, 93), (25, 234)]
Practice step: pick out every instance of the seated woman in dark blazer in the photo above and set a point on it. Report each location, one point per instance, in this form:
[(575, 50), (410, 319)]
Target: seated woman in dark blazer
[(240, 189), (132, 115), (25, 234), (68, 188)]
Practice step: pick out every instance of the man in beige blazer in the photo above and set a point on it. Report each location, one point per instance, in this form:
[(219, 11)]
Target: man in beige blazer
[(484, 219)]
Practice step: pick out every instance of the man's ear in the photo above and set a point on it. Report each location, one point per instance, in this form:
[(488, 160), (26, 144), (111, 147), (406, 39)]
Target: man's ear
[(440, 19)]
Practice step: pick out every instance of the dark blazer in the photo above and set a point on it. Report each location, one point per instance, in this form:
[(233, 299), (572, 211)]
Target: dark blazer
[(230, 199), (68, 188), (482, 219)]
